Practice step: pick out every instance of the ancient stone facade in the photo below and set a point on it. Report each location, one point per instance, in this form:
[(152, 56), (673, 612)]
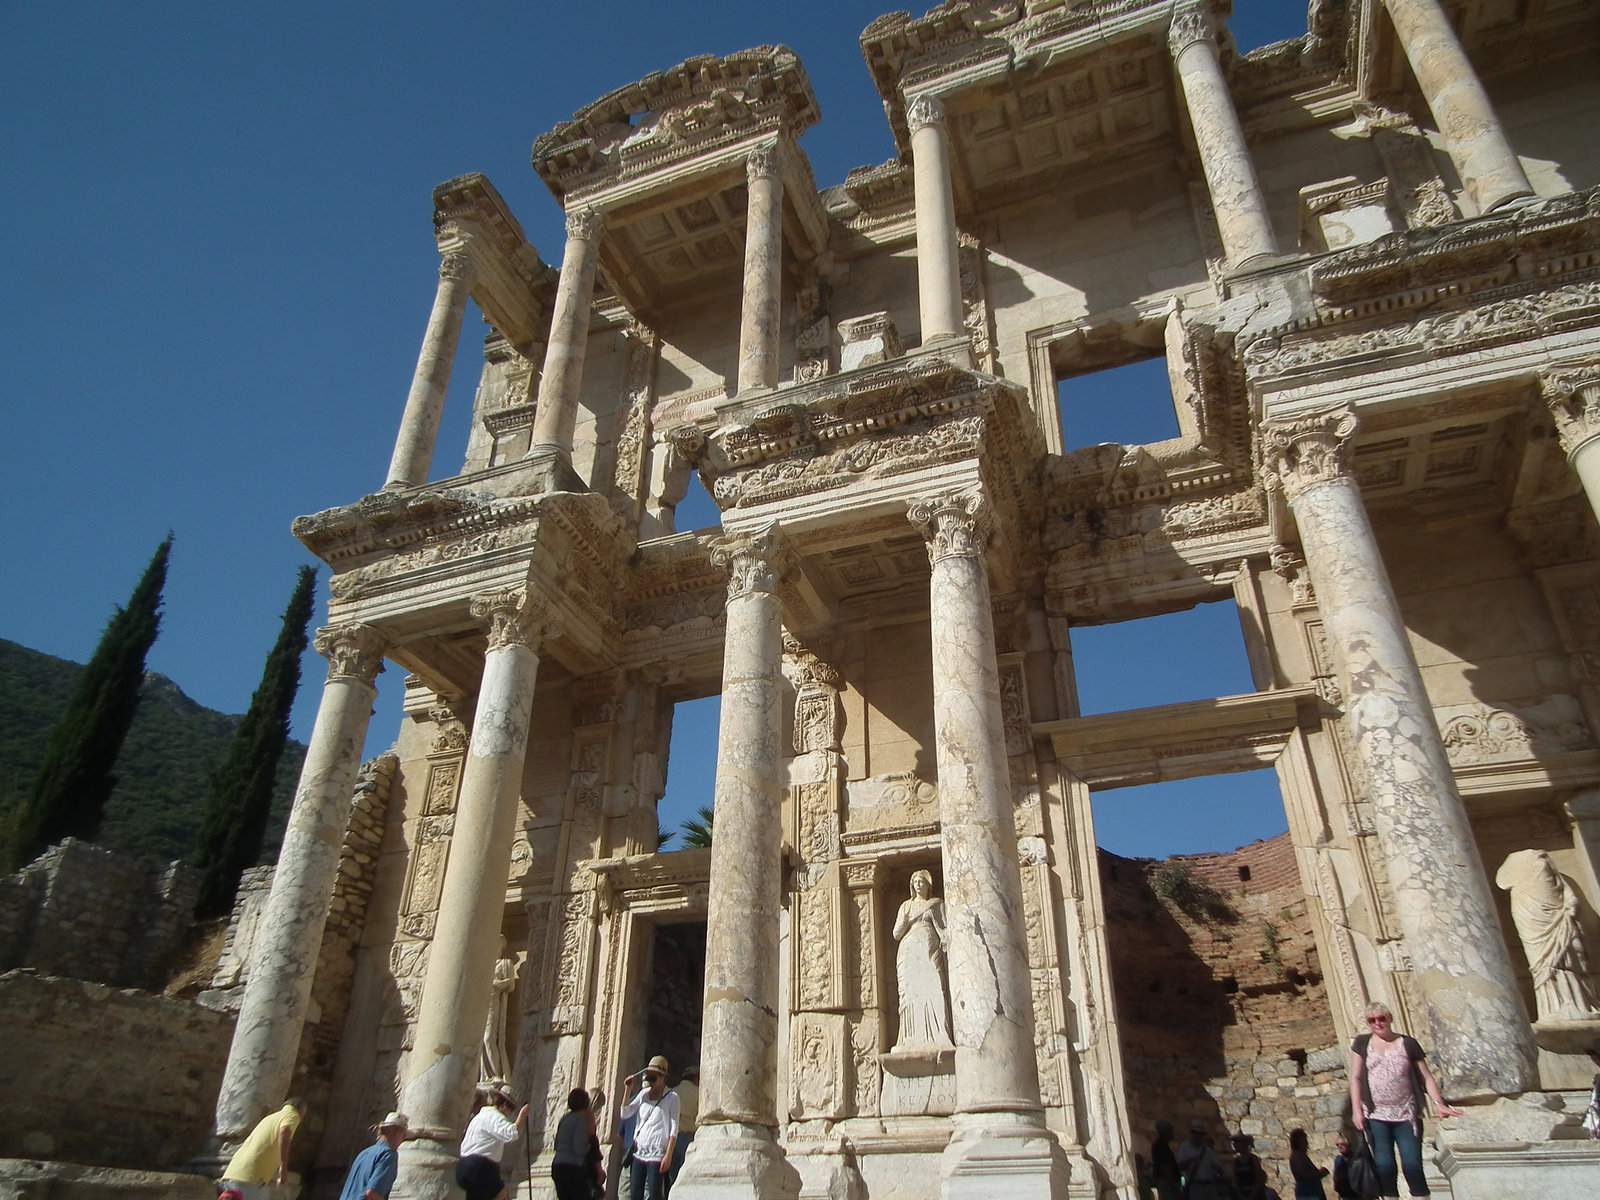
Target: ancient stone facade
[(1368, 257)]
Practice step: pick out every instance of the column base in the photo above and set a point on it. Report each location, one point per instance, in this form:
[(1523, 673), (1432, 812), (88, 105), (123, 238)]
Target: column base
[(736, 1162), (1002, 1154), (551, 471), (427, 1171)]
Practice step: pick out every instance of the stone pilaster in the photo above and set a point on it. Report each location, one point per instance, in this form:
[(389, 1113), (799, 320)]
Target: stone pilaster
[(559, 383), (735, 1151), (1573, 396), (761, 311), (443, 1067), (1000, 1144), (1583, 810), (938, 250), (1474, 139), (1236, 197), (1462, 970), (273, 1010), (419, 426)]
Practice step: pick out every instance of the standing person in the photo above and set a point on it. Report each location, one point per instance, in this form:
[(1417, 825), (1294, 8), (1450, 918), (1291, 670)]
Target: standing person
[(263, 1157), (1164, 1174), (572, 1167), (1388, 1077), (1341, 1169), (688, 1093), (1204, 1177), (1249, 1179), (488, 1134), (1307, 1175), (372, 1173), (655, 1132)]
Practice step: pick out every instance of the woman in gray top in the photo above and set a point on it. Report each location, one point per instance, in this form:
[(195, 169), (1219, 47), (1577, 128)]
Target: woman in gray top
[(577, 1149)]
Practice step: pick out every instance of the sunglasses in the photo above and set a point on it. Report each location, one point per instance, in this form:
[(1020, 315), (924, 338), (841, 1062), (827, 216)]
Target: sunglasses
[(1377, 1020), (651, 1077)]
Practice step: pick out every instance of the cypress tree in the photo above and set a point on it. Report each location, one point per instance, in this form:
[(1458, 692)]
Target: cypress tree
[(68, 797), (240, 799)]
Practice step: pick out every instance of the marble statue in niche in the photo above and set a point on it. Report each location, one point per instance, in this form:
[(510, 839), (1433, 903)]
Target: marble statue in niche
[(919, 929), (494, 1062), (1544, 909)]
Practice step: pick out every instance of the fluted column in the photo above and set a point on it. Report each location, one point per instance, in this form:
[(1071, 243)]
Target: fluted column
[(735, 1151), (761, 311), (1573, 395), (1460, 965), (266, 1038), (1474, 138), (419, 426), (938, 252), (1000, 1145), (562, 378), (1236, 197), (443, 1066)]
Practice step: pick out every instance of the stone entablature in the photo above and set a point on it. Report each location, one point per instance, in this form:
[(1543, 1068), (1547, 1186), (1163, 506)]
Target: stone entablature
[(513, 288)]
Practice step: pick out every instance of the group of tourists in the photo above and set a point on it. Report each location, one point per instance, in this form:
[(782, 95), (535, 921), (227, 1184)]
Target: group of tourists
[(1389, 1084)]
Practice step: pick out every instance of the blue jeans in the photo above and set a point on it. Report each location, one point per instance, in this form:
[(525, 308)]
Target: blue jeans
[(1387, 1138), (645, 1180)]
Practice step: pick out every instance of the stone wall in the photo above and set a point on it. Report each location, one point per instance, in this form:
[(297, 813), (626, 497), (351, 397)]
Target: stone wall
[(106, 1077), (84, 912), (1221, 1005)]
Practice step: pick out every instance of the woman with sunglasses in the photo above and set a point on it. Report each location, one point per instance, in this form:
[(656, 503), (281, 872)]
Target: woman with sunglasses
[(1388, 1077)]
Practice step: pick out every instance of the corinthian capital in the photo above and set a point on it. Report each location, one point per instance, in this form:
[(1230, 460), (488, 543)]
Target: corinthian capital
[(754, 562), (1573, 396), (583, 223), (510, 617), (1191, 23), (354, 651), (957, 524), (763, 162), (924, 110), (1311, 448), (458, 265)]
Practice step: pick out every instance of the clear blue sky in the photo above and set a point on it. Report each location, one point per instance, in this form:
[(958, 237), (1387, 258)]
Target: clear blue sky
[(219, 262)]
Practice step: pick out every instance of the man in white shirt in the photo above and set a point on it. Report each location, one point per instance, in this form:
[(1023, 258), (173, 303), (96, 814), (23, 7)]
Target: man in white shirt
[(488, 1134), (655, 1132)]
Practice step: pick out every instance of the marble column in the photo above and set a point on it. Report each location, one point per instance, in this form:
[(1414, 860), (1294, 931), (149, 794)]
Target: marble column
[(1236, 198), (763, 272), (938, 251), (443, 1067), (419, 427), (1583, 810), (266, 1039), (1000, 1144), (1573, 396), (735, 1151), (1476, 1026), (562, 378), (1474, 139)]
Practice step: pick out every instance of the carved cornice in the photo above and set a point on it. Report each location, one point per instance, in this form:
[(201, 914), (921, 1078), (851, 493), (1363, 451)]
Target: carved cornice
[(755, 562), (1573, 397), (1191, 25), (510, 617), (956, 525), (1310, 448), (354, 651)]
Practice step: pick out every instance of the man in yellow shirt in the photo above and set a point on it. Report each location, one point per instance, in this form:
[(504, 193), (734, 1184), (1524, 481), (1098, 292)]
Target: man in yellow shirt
[(263, 1157)]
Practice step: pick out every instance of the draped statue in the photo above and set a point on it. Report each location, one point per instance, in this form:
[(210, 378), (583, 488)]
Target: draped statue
[(494, 1063), (1544, 909), (919, 968)]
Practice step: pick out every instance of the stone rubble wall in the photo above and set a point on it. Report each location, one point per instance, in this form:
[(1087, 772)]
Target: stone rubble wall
[(1222, 1009), (84, 912), (103, 1076)]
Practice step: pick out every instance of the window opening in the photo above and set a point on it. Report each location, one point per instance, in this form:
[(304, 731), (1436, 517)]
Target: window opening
[(1198, 654), (691, 772), (1130, 405), (697, 510)]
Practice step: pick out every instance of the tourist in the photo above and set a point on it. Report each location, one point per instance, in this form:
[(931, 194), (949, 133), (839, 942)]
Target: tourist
[(488, 1134), (655, 1132), (577, 1157), (372, 1174), (263, 1157), (1341, 1169), (1204, 1177), (1249, 1178), (688, 1093), (1164, 1174), (1387, 1080), (1307, 1175)]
